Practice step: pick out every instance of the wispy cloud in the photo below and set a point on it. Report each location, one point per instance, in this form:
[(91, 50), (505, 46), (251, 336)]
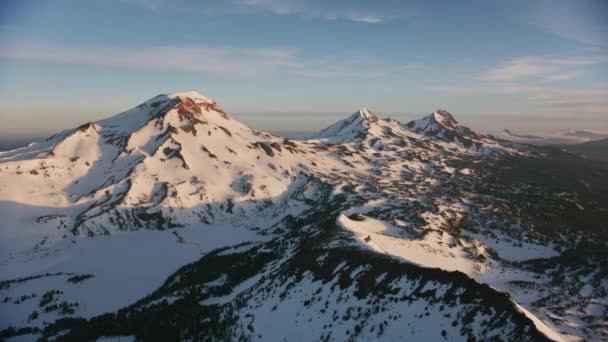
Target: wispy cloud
[(539, 68), (222, 61), (571, 97), (566, 76), (590, 99), (350, 10), (581, 20), (370, 19), (542, 81), (496, 89), (355, 11), (518, 68), (152, 5)]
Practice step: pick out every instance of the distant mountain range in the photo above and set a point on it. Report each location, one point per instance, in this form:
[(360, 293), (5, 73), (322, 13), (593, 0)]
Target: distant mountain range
[(522, 136), (596, 149), (11, 143), (567, 136), (173, 221)]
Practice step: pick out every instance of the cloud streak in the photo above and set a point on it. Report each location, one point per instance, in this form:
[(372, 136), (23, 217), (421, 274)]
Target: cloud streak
[(327, 10), (590, 99), (220, 61), (539, 68), (582, 20), (151, 5), (517, 69), (543, 81), (223, 61)]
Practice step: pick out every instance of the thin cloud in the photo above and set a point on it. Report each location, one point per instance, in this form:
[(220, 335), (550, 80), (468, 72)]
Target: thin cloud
[(586, 60), (151, 5), (567, 76), (531, 79), (351, 11), (571, 97), (539, 68), (221, 61), (583, 21), (518, 68), (582, 99), (495, 89), (367, 19)]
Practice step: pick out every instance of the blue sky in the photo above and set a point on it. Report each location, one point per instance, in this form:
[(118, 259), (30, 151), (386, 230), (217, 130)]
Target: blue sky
[(283, 63)]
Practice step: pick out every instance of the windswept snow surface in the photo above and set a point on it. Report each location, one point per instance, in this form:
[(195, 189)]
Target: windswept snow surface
[(434, 251), (430, 252), (125, 266)]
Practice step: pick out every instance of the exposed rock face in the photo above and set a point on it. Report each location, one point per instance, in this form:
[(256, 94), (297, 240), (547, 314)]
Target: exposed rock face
[(188, 108)]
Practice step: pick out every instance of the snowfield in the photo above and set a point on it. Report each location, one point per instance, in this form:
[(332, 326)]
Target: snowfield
[(434, 251), (125, 266)]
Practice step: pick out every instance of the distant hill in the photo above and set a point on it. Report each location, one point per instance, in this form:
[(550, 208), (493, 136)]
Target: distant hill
[(523, 136), (596, 149), (7, 144), (562, 137)]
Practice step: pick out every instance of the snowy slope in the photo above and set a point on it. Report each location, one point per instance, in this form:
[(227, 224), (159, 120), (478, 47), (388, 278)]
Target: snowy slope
[(173, 160)]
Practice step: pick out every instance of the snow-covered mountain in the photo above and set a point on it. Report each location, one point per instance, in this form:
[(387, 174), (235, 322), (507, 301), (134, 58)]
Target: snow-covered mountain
[(442, 125), (148, 167), (355, 127), (173, 212)]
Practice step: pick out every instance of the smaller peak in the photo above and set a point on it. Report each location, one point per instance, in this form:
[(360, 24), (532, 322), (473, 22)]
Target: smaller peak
[(366, 115), (354, 127), (444, 118), (442, 124), (441, 115)]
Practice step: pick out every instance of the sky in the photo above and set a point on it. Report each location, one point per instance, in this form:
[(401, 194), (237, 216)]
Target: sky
[(296, 65)]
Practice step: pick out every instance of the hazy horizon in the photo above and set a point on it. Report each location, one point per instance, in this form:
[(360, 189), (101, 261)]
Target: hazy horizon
[(301, 123), (298, 125)]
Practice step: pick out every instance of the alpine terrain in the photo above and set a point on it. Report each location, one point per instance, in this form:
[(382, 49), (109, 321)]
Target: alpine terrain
[(173, 221)]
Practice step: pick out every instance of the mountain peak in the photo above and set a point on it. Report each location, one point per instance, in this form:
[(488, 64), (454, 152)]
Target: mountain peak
[(441, 124), (188, 94), (366, 115), (438, 120), (444, 118), (182, 110), (353, 127)]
